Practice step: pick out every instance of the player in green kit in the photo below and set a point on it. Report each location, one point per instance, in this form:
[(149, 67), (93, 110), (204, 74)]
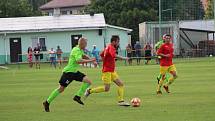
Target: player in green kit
[(157, 46), (70, 73)]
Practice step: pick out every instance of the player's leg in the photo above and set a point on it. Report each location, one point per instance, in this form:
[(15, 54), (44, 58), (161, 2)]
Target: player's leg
[(120, 91), (86, 82), (52, 96), (163, 71), (85, 85), (159, 77), (106, 77), (173, 72), (64, 82)]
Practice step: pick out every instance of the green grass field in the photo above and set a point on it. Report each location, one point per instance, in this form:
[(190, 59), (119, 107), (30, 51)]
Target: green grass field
[(23, 90)]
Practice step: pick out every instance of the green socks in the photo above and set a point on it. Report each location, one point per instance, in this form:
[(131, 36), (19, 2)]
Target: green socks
[(56, 92), (53, 95), (83, 88), (167, 77)]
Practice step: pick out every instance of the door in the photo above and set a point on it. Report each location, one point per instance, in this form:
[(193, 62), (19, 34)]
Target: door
[(15, 50), (74, 40)]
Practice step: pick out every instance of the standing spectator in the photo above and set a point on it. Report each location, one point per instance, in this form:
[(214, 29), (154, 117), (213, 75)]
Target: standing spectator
[(59, 53), (52, 55), (129, 53), (148, 53), (95, 53), (137, 48), (37, 57), (30, 57)]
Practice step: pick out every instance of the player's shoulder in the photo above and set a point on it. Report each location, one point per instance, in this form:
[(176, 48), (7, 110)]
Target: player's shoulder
[(163, 45), (76, 50)]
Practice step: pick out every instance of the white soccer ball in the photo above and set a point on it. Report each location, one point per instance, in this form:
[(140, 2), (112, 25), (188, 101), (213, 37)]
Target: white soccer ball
[(135, 102)]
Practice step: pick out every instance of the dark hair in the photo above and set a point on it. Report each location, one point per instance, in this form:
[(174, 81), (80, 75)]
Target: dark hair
[(168, 35), (29, 49), (114, 38)]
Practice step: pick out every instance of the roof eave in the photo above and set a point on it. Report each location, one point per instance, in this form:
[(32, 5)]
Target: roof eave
[(50, 30), (117, 27)]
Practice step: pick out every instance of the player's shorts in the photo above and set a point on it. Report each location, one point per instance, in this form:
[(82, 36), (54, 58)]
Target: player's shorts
[(108, 77), (165, 69), (37, 57), (68, 77)]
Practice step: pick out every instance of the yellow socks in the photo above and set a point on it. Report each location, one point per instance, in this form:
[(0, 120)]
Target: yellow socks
[(120, 91), (97, 89)]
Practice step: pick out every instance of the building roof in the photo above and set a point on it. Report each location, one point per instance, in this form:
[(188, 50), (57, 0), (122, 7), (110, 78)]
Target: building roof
[(64, 4), (198, 25), (117, 27), (53, 23)]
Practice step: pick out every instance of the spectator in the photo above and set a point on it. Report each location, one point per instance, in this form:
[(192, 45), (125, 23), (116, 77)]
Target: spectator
[(95, 53), (137, 48), (59, 53), (52, 55), (148, 53), (30, 57), (129, 53), (37, 57)]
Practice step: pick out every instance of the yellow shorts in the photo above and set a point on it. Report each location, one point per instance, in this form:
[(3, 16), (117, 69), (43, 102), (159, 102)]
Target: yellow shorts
[(108, 77), (165, 69)]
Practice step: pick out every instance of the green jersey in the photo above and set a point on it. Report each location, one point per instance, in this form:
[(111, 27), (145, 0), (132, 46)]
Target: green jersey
[(158, 44), (75, 55)]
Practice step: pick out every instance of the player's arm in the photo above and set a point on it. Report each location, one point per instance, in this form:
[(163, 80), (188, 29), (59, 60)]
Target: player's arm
[(81, 61), (87, 57), (121, 57), (114, 55), (160, 52), (84, 59)]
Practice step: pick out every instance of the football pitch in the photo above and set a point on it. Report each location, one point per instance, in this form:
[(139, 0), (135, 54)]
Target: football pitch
[(23, 90)]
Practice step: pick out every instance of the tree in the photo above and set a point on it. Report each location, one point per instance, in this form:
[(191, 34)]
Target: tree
[(15, 8), (36, 4), (20, 8), (126, 13), (209, 13)]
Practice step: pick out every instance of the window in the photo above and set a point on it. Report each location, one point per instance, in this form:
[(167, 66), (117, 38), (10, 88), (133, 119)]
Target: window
[(50, 13), (70, 12), (39, 41), (75, 11), (63, 12), (42, 43)]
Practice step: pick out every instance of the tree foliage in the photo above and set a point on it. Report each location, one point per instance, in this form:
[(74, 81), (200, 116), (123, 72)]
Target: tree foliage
[(126, 13), (209, 13), (20, 8), (129, 13)]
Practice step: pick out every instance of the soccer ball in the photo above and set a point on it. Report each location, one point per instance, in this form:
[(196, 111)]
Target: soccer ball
[(135, 102)]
